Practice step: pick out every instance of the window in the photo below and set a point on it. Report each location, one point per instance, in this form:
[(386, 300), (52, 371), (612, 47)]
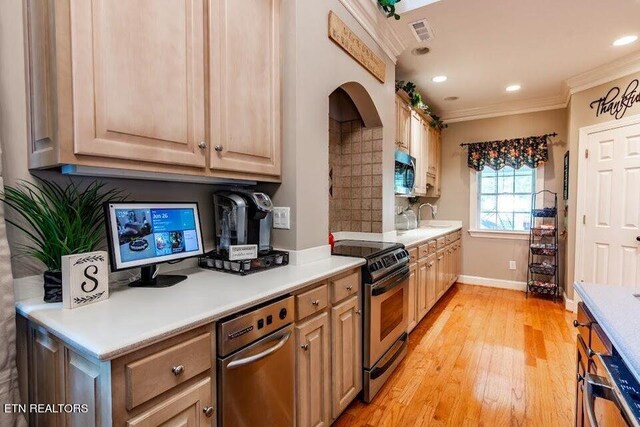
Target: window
[(501, 201)]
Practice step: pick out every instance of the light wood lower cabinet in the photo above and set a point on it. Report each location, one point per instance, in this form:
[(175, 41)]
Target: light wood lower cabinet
[(186, 408), (142, 388), (432, 279), (346, 354), (313, 373), (413, 296), (423, 275), (441, 269)]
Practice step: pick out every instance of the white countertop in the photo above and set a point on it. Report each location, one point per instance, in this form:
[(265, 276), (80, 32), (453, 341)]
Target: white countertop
[(428, 230), (617, 311), (134, 317)]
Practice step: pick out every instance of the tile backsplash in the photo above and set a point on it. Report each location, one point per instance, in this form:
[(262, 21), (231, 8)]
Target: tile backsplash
[(355, 177)]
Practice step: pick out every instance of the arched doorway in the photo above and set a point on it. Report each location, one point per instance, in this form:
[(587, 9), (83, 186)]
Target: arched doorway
[(355, 161)]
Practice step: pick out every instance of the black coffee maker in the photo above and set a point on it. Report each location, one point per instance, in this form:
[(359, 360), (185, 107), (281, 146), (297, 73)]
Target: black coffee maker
[(243, 217)]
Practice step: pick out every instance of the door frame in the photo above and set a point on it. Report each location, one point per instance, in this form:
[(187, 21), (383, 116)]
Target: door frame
[(581, 207)]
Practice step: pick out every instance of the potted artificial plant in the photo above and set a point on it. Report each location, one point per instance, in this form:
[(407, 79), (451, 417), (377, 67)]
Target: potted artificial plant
[(58, 221)]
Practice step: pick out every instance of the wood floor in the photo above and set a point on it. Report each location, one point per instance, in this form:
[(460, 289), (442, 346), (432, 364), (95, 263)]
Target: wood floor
[(481, 357)]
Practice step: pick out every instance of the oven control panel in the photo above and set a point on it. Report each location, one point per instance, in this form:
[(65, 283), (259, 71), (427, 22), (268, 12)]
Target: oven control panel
[(625, 383), (384, 264)]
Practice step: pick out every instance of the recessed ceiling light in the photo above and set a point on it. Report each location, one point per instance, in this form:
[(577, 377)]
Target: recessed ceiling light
[(419, 51), (439, 79), (625, 40), (513, 88), (451, 98)]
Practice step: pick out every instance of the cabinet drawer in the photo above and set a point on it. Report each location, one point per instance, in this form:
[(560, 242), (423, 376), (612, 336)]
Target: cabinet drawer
[(441, 242), (458, 234), (311, 302), (423, 250), (413, 255), (449, 238), (433, 247), (152, 375), (344, 287)]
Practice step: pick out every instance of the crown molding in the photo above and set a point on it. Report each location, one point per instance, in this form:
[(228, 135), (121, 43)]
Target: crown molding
[(605, 73), (508, 108), (376, 24)]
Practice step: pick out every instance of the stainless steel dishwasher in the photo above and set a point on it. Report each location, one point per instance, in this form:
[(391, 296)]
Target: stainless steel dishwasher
[(256, 366)]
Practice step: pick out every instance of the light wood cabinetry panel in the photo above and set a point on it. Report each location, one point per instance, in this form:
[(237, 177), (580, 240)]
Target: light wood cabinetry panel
[(423, 275), (245, 86), (88, 382), (313, 372), (413, 296), (346, 354), (46, 376), (432, 280), (403, 124), (418, 151), (344, 286), (441, 271), (190, 407), (138, 80)]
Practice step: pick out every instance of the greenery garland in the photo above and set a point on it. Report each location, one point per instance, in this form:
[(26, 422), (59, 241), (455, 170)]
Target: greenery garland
[(416, 102), (389, 7)]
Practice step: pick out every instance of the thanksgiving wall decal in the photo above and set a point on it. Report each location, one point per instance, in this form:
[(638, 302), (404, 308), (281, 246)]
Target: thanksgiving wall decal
[(617, 102)]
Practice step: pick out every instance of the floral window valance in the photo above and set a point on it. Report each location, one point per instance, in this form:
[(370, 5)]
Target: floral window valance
[(530, 151)]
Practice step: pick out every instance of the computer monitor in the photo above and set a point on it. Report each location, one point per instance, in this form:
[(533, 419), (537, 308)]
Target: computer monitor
[(145, 234)]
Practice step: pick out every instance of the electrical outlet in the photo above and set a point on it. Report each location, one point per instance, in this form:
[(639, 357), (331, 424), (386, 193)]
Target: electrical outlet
[(282, 218), (512, 265)]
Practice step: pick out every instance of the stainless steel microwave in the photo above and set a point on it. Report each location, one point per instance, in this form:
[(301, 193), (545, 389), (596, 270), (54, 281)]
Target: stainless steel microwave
[(405, 173)]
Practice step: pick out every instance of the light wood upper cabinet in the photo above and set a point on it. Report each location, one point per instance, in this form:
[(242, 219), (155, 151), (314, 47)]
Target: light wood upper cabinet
[(139, 80), (245, 86), (313, 372), (417, 151), (403, 124), (155, 86), (346, 354)]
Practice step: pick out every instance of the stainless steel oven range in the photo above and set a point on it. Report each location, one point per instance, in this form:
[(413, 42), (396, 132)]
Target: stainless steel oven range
[(385, 281)]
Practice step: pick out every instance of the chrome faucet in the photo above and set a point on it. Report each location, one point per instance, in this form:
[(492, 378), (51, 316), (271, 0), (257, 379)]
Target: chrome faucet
[(434, 211)]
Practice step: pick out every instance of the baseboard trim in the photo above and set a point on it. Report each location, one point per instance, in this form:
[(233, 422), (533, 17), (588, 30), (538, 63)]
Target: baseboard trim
[(493, 283), (569, 304)]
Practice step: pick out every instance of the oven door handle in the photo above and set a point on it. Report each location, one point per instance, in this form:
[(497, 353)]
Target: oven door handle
[(399, 277), (247, 360), (594, 387), (379, 371)]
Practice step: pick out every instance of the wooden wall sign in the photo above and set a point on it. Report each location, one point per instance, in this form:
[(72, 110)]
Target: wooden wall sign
[(85, 279), (356, 48)]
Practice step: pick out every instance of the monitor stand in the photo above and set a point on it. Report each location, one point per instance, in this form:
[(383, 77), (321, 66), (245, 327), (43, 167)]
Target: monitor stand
[(149, 279)]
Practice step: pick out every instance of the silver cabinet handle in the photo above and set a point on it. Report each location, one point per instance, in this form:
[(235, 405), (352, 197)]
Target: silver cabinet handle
[(177, 370), (357, 312), (316, 302), (261, 355), (305, 347), (349, 287), (202, 145), (208, 411), (218, 148)]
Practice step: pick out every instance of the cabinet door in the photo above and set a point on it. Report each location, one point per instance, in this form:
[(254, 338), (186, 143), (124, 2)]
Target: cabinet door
[(312, 372), (138, 80), (413, 296), (403, 127), (87, 381), (190, 407), (423, 277), (45, 376), (346, 354), (432, 280), (420, 186), (244, 76), (440, 273), (431, 143)]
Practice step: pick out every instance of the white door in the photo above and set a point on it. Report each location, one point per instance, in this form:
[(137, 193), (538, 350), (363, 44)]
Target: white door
[(612, 207)]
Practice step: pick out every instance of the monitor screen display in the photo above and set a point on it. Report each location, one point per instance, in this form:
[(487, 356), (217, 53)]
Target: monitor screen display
[(144, 234)]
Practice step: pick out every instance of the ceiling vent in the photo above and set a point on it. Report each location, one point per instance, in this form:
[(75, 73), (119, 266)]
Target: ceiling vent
[(421, 30)]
